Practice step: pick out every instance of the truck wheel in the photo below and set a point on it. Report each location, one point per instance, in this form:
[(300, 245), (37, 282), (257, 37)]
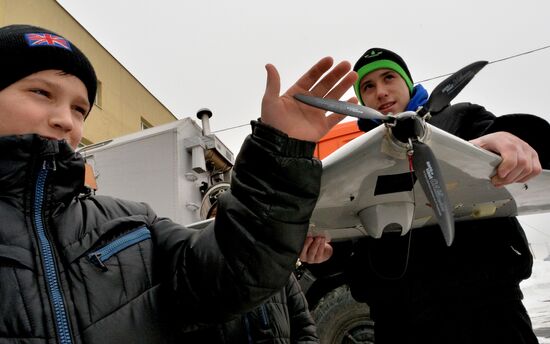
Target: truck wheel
[(342, 320)]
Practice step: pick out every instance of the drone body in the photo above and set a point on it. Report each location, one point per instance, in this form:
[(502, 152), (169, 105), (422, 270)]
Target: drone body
[(368, 188)]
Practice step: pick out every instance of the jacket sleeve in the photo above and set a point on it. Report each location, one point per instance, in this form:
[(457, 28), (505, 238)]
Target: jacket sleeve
[(469, 121), (261, 223), (531, 129), (302, 327), (465, 120)]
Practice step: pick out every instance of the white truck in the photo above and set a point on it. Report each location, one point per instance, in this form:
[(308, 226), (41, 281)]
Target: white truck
[(171, 167), (180, 169)]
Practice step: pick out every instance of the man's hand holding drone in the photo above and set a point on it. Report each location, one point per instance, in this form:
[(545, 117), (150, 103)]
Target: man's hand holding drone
[(520, 162)]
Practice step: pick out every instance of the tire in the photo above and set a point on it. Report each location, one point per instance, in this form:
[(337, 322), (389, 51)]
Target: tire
[(342, 320)]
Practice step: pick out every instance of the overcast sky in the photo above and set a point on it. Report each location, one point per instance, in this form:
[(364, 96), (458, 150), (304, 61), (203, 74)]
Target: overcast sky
[(195, 54)]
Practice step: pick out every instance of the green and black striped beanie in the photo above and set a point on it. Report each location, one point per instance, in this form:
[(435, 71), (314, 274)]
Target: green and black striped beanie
[(379, 58)]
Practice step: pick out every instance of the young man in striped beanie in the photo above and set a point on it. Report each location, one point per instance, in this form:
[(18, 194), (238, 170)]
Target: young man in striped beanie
[(420, 290)]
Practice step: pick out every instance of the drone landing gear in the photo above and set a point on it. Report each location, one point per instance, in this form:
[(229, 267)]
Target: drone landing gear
[(384, 218)]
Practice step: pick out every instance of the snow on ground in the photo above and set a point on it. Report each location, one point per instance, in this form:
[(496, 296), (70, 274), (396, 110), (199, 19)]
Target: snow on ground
[(537, 299)]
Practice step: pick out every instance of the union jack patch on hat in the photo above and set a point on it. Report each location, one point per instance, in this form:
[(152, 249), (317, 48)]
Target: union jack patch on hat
[(36, 39)]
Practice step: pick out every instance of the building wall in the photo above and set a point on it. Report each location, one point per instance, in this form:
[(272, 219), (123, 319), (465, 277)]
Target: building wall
[(124, 103)]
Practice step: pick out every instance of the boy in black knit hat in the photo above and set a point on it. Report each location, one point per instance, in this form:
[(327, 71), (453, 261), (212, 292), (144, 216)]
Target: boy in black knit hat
[(93, 269), (26, 49), (418, 289), (40, 69)]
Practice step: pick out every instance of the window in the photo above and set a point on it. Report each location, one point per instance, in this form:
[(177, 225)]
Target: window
[(98, 95), (145, 124)]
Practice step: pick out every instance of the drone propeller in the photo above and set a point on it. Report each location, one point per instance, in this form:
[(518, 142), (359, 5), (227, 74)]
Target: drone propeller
[(425, 164), (441, 96), (449, 88), (408, 128)]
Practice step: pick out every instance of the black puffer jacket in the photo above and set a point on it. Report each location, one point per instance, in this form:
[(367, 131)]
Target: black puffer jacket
[(102, 270), (488, 258), (283, 319)]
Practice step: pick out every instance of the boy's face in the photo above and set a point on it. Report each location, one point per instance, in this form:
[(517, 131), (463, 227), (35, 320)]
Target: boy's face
[(48, 103), (385, 90)]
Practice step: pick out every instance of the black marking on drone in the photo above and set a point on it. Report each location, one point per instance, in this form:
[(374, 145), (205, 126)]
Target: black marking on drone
[(393, 183), (458, 81)]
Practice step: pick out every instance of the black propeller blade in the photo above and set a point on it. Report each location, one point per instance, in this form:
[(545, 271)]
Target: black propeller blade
[(428, 172), (449, 88), (341, 107)]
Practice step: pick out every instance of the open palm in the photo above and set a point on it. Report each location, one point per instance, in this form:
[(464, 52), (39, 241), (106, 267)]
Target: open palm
[(298, 120)]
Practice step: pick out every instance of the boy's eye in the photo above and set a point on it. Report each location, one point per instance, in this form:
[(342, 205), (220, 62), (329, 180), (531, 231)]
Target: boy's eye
[(366, 86), (80, 110), (41, 92)]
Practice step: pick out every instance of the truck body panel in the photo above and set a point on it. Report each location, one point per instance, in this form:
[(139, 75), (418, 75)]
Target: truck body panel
[(156, 166)]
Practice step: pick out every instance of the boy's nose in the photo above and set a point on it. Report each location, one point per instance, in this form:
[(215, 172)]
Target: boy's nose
[(381, 91), (61, 118)]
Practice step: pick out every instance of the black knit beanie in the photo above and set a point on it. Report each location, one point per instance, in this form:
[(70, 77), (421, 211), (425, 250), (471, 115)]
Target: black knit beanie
[(26, 49), (379, 58)]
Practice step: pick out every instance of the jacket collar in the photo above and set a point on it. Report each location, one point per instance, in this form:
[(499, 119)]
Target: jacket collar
[(21, 159)]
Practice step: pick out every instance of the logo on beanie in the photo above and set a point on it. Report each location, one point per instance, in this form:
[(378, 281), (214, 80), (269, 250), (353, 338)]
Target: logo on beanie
[(41, 39), (372, 53)]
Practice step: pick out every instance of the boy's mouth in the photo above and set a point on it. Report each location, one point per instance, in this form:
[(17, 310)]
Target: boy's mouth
[(51, 138), (385, 106)]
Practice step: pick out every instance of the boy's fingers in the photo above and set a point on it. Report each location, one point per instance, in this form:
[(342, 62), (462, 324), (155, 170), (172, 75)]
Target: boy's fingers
[(306, 82), (328, 81), (343, 86), (273, 83)]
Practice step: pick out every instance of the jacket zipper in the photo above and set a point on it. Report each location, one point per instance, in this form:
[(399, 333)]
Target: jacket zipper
[(99, 256), (263, 316), (247, 328), (50, 269)]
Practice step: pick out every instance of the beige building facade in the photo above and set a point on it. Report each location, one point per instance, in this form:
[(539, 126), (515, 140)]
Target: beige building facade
[(123, 105)]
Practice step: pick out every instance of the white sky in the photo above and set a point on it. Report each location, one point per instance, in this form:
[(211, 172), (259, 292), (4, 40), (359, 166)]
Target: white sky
[(211, 53), (535, 291)]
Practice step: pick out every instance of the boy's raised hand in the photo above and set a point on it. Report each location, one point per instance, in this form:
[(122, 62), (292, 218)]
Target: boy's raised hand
[(298, 120)]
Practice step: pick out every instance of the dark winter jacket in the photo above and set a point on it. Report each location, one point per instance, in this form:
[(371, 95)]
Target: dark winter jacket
[(102, 270), (405, 275), (283, 319)]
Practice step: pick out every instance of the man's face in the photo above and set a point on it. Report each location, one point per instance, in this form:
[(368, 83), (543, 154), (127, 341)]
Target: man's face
[(48, 103), (385, 90)]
